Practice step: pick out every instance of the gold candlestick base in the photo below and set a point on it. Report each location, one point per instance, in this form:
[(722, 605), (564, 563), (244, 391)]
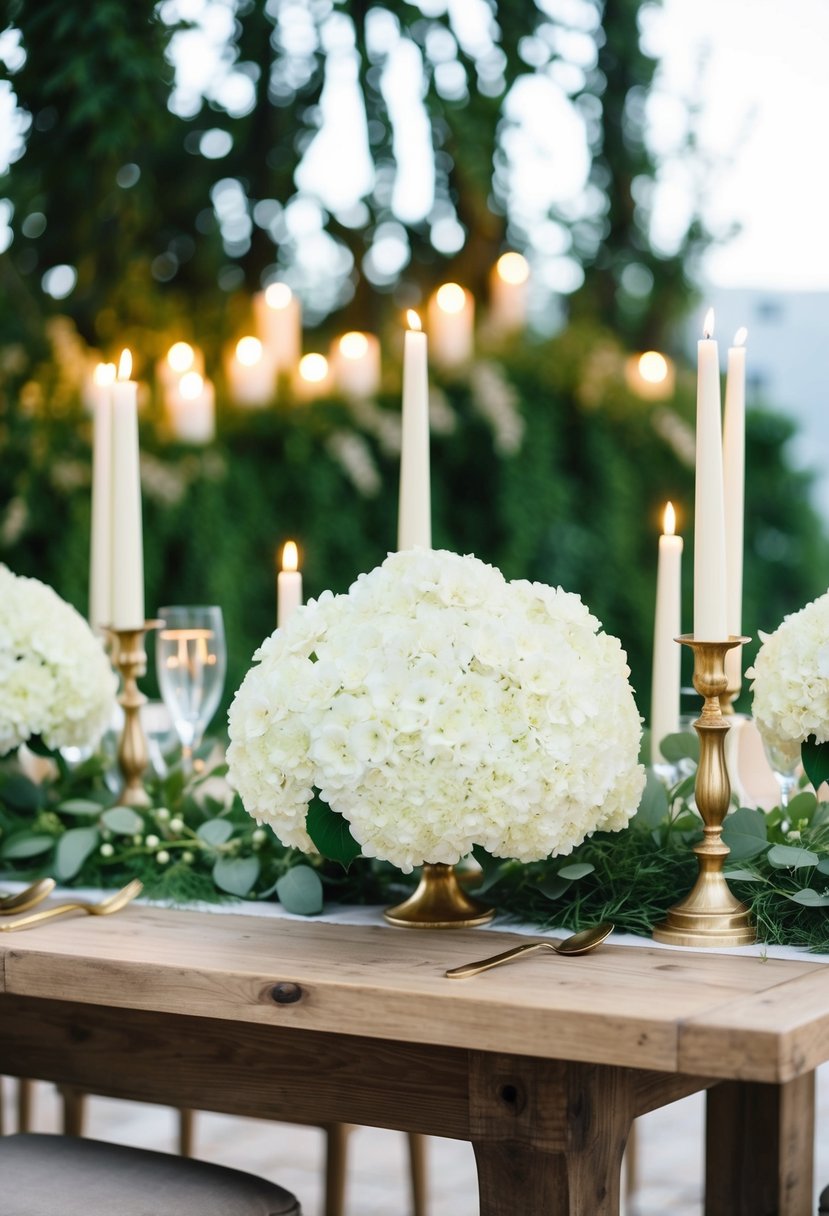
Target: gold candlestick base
[(130, 658), (439, 903), (710, 915)]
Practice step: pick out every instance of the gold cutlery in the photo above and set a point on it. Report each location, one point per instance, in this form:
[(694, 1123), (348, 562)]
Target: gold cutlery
[(29, 897), (580, 943), (112, 903)]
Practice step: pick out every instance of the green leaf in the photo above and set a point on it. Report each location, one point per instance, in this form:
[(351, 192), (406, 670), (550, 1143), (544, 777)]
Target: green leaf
[(122, 820), (331, 834), (743, 875), (73, 849), (685, 788), (215, 831), (680, 746), (810, 898), (815, 757), (236, 875), (823, 865), (79, 806), (36, 745), (802, 806), (786, 857), (744, 831), (20, 793), (579, 869), (554, 886), (654, 804), (493, 868), (26, 844), (300, 891)]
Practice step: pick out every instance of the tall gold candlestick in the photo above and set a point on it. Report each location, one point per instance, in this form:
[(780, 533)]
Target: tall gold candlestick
[(710, 915), (130, 659)]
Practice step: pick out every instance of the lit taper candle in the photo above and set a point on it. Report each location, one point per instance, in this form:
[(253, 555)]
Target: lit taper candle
[(710, 618), (127, 535), (288, 584), (667, 627), (414, 523), (734, 460), (100, 546)]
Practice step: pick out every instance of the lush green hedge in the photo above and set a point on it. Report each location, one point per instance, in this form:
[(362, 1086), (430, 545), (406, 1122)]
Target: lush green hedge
[(542, 462)]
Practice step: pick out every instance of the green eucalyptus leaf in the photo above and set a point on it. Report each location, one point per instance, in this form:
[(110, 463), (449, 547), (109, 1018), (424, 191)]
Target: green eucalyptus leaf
[(685, 788), (20, 793), (787, 857), (300, 891), (683, 745), (73, 849), (79, 806), (122, 820), (802, 806), (554, 886), (744, 831), (236, 875), (215, 832), (493, 869), (36, 745), (26, 844), (743, 875), (823, 865), (331, 834), (815, 757), (653, 806), (578, 869), (810, 898)]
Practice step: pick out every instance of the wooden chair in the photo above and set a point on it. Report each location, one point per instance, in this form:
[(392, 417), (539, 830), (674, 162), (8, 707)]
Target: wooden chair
[(46, 1175)]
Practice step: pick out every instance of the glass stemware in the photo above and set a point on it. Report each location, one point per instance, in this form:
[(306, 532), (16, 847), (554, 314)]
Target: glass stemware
[(784, 762), (190, 662)]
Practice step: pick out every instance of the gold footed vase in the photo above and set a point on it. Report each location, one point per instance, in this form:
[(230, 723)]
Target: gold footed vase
[(439, 902), (130, 659), (710, 915)]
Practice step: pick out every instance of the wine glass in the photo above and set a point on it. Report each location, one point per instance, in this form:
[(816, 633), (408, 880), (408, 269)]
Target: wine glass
[(190, 660), (784, 760)]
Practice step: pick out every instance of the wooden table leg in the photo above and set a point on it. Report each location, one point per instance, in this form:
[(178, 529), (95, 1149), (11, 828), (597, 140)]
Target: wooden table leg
[(760, 1148), (548, 1135)]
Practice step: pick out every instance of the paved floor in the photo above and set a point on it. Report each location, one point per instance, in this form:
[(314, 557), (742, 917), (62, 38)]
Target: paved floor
[(670, 1153)]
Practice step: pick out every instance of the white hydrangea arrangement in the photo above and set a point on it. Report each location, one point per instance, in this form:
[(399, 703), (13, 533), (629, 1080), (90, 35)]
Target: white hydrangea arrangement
[(791, 680), (436, 706), (55, 679)]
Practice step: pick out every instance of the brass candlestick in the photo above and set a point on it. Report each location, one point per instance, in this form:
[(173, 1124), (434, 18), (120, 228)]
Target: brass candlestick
[(439, 903), (710, 915), (130, 659)]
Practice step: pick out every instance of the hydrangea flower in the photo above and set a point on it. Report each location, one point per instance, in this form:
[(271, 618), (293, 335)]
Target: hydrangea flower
[(436, 706), (55, 679), (790, 679)]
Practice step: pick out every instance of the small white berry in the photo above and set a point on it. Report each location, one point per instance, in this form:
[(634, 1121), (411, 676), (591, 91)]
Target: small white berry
[(162, 857), (176, 826), (107, 850), (152, 842)]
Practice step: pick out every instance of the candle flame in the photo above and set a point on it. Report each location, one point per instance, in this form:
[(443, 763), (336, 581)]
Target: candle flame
[(513, 268), (125, 365), (313, 368), (290, 556), (104, 373), (278, 295), (669, 520), (708, 324), (181, 356), (451, 298), (190, 386), (354, 345), (248, 351), (740, 336), (413, 320)]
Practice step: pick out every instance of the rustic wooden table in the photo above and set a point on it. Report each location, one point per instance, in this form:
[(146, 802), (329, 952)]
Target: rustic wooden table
[(542, 1064)]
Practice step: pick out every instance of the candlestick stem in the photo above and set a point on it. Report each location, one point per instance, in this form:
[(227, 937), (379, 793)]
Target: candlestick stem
[(130, 659), (709, 915)]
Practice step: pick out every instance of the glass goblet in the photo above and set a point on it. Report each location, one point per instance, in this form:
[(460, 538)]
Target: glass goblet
[(784, 760), (190, 659)]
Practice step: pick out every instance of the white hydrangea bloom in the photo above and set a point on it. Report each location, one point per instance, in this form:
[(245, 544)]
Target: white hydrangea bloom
[(436, 706), (790, 679), (55, 679)]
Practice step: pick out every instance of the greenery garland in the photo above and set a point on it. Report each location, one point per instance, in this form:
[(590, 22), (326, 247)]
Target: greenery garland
[(196, 842)]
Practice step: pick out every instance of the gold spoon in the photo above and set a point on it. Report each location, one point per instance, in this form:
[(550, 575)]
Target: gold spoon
[(29, 897), (113, 903), (580, 943)]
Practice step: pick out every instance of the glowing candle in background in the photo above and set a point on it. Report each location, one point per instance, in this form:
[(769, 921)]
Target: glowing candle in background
[(666, 628), (414, 523), (734, 456), (710, 624), (313, 377), (508, 289), (288, 584), (127, 534), (250, 373), (100, 547), (191, 409), (278, 314), (451, 323), (355, 364)]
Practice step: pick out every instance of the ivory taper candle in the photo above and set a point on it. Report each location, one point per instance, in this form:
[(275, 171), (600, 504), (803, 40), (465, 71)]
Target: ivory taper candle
[(127, 535), (288, 584), (100, 546), (710, 623), (414, 522), (734, 460), (666, 628)]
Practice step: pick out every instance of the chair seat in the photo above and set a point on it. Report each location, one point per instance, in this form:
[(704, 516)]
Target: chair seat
[(64, 1176)]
